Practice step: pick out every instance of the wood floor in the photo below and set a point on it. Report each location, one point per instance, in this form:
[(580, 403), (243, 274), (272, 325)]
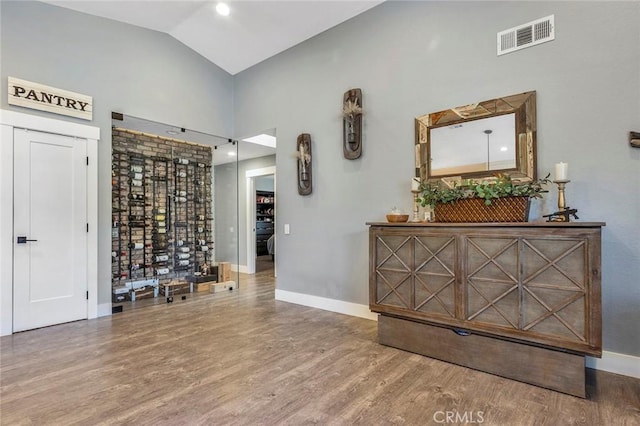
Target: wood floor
[(241, 358)]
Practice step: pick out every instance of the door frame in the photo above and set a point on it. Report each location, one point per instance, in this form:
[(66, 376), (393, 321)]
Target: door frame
[(8, 121), (251, 214)]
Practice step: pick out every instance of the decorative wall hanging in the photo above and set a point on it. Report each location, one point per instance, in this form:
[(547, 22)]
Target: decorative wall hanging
[(303, 154), (352, 124), (634, 139)]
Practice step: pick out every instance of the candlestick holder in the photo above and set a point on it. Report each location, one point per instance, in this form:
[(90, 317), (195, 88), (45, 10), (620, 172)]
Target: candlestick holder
[(564, 213), (416, 208)]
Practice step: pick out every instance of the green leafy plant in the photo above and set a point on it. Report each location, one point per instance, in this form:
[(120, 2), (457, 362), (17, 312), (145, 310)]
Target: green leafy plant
[(432, 193)]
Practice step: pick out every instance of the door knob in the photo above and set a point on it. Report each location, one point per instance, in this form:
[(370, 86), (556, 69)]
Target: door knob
[(24, 240)]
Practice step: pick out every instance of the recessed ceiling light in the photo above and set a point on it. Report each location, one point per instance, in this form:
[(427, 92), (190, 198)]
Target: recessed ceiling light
[(263, 139), (223, 9), (172, 132), (503, 149), (231, 153)]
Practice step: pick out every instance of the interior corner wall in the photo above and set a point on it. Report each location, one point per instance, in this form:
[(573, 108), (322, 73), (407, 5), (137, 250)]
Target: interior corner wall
[(411, 58), (124, 68)]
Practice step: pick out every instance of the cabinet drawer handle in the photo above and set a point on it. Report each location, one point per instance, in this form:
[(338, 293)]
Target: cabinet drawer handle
[(461, 332)]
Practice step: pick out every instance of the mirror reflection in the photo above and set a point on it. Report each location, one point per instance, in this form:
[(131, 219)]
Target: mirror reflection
[(488, 144), (477, 140)]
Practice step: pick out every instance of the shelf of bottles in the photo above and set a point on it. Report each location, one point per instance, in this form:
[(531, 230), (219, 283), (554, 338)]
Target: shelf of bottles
[(119, 165), (162, 218), (202, 215), (183, 200)]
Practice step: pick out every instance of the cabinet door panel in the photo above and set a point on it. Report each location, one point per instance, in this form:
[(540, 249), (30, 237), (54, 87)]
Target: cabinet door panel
[(394, 263), (555, 282), (491, 280), (435, 282)]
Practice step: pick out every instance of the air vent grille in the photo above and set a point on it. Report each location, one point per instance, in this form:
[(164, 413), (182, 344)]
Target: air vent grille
[(526, 35)]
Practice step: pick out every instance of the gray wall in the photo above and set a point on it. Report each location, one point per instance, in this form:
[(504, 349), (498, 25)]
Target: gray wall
[(228, 241), (412, 58), (125, 68), (265, 183)]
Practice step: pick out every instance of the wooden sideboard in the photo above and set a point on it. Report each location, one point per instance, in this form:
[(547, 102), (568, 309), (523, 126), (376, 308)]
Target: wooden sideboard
[(519, 300)]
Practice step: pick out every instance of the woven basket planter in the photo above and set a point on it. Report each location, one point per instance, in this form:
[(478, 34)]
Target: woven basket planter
[(507, 209)]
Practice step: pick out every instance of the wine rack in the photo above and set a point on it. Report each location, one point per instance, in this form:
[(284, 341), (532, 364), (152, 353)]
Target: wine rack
[(162, 217)]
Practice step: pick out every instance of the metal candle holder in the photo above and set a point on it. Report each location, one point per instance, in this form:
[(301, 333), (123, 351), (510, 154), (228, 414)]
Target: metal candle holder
[(564, 213)]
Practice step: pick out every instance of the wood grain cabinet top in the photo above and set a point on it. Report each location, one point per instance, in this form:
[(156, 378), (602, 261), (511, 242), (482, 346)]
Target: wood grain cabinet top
[(536, 283)]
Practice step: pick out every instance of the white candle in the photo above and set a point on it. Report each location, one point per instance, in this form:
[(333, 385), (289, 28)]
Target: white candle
[(562, 171), (415, 184)]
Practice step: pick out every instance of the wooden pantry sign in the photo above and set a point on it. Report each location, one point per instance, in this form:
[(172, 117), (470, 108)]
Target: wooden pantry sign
[(32, 95)]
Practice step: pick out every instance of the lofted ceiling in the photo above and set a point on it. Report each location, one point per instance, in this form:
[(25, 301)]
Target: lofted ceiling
[(254, 31)]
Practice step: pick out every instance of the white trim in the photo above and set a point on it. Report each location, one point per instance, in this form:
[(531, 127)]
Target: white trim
[(92, 220), (243, 269), (251, 213), (333, 305), (8, 121), (48, 125), (613, 362), (6, 229), (105, 309)]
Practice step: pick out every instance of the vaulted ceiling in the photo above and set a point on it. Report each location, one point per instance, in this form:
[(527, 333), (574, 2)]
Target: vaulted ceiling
[(253, 31)]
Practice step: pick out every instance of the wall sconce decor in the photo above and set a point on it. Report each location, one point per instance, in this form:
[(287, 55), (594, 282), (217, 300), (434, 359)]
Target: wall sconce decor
[(352, 124), (303, 154), (634, 139)]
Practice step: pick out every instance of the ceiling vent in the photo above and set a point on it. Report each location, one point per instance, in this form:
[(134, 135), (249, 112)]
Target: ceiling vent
[(527, 35)]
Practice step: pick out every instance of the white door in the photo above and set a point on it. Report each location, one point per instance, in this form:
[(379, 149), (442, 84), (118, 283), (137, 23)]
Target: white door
[(50, 213)]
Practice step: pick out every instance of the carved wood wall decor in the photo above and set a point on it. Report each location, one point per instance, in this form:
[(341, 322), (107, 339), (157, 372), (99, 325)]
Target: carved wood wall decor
[(352, 124), (634, 139), (303, 154)]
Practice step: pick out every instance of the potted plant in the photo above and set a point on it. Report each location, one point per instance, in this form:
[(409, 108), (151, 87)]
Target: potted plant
[(499, 200)]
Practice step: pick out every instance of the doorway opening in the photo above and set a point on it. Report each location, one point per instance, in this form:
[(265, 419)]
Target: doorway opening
[(261, 220)]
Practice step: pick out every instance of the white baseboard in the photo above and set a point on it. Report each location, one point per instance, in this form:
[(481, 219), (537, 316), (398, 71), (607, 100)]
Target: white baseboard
[(104, 309), (613, 362), (333, 305), (626, 365), (243, 269)]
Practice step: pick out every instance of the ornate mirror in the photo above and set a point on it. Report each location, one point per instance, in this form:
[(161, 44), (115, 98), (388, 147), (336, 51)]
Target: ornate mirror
[(479, 140)]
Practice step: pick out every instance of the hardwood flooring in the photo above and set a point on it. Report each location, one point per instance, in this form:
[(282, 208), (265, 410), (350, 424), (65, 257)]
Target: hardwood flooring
[(242, 358)]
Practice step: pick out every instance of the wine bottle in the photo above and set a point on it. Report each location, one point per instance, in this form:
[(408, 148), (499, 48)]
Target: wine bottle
[(181, 174), (135, 245), (162, 258), (135, 182), (183, 255), (136, 169), (184, 249), (180, 161), (162, 271), (179, 243), (181, 193), (202, 248), (160, 217), (181, 199), (161, 224), (137, 176), (183, 262)]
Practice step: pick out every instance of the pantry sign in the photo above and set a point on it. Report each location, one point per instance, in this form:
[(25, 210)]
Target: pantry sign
[(32, 95)]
